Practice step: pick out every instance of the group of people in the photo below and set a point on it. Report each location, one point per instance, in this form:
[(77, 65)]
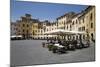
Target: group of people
[(67, 44)]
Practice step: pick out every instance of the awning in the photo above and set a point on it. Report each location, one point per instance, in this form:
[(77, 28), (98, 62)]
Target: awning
[(63, 32), (16, 36)]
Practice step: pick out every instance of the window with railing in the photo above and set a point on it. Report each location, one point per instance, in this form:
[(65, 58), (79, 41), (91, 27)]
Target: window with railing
[(83, 28)]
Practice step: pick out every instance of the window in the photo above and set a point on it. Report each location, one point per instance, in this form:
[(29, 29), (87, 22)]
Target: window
[(23, 30), (83, 20), (70, 26), (79, 21), (64, 22), (76, 21), (67, 26), (14, 28), (19, 34), (79, 28), (73, 23), (91, 16), (33, 32), (91, 35), (19, 25), (27, 25), (47, 29), (91, 25), (84, 28), (27, 31), (23, 25), (19, 31)]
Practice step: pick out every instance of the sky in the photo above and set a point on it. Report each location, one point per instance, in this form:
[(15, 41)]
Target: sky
[(42, 11)]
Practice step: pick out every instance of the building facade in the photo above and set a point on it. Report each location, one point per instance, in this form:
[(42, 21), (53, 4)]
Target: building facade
[(87, 23), (71, 21), (64, 22), (13, 28), (34, 28), (24, 26)]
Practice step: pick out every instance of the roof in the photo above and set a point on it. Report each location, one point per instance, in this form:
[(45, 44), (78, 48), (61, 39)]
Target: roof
[(86, 11), (69, 14)]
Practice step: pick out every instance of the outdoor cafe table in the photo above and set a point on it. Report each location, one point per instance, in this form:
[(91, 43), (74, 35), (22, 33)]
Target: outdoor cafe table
[(60, 46)]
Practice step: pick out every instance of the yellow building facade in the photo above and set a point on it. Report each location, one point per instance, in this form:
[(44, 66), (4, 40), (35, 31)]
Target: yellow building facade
[(27, 27), (87, 23), (34, 28), (64, 22), (83, 22), (23, 26)]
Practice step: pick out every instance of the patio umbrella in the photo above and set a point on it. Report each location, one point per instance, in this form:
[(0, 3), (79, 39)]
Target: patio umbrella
[(62, 32), (13, 36), (57, 32), (77, 32)]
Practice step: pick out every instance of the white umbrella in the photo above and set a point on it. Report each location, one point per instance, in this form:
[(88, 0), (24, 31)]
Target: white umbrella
[(16, 36), (57, 32), (77, 32), (64, 32)]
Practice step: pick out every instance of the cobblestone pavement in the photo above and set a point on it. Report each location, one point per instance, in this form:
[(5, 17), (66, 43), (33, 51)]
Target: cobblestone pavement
[(31, 52)]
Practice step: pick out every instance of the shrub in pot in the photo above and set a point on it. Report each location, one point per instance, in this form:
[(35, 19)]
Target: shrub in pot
[(50, 47), (54, 48)]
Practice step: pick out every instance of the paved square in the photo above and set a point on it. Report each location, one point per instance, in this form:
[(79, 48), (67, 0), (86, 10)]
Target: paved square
[(31, 52)]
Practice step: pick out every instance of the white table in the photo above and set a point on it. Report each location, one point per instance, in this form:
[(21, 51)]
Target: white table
[(58, 45)]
